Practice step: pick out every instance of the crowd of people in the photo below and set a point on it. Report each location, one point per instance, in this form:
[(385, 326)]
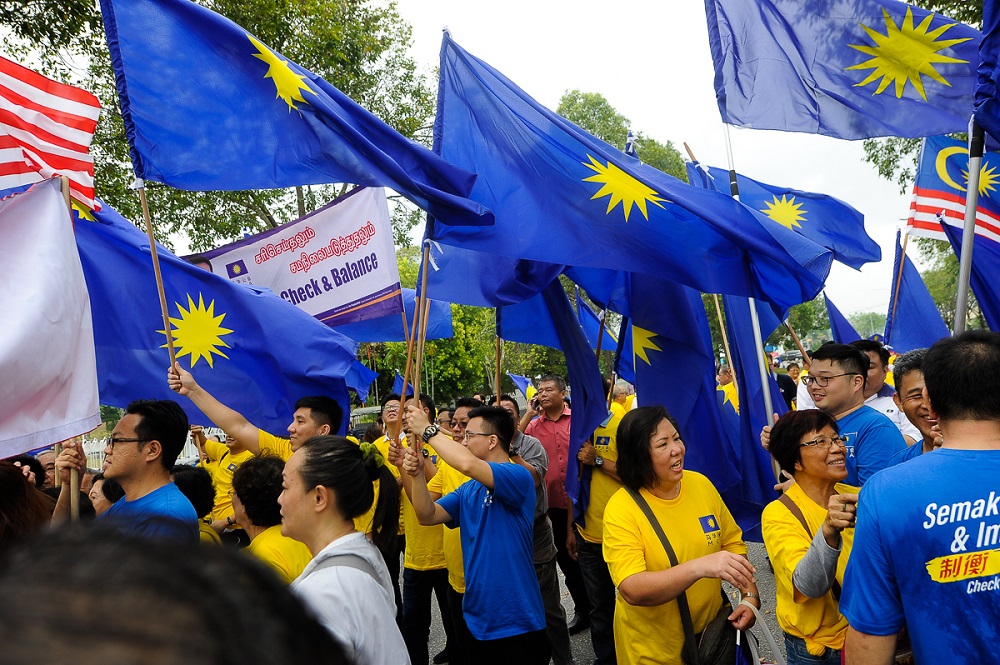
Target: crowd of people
[(882, 539)]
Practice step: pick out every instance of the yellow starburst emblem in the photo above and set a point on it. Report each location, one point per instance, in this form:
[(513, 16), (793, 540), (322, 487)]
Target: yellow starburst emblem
[(988, 176), (988, 179), (642, 342), (84, 212), (621, 187), (288, 84), (785, 211), (906, 53), (198, 331)]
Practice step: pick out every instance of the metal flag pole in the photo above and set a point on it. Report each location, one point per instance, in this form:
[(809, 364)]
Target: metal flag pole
[(754, 319), (976, 146)]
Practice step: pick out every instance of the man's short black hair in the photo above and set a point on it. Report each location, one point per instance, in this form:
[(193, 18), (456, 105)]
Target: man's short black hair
[(496, 421), (911, 361), (867, 345), (324, 410), (468, 403), (391, 397), (507, 398), (553, 378), (32, 463), (427, 403), (257, 482), (163, 420), (850, 359), (962, 375), (195, 483)]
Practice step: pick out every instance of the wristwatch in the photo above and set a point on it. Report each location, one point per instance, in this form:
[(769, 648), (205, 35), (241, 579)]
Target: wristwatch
[(430, 432), (598, 461)]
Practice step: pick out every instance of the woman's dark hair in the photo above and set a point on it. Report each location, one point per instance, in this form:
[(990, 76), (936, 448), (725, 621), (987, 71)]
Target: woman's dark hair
[(786, 435), (340, 465), (171, 602), (258, 483), (372, 433), (111, 489), (195, 483), (32, 463), (635, 462), (23, 508)]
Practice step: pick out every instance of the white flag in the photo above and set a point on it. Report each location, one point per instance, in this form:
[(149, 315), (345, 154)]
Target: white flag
[(49, 388)]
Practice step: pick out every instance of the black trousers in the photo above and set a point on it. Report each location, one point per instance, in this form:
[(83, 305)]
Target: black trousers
[(569, 566)]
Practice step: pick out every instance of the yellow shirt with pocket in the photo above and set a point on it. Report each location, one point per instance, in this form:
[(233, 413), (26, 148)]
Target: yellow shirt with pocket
[(602, 486)]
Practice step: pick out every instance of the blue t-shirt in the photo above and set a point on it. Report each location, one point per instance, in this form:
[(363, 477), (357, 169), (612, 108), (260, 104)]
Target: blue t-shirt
[(163, 513), (501, 590), (911, 452), (872, 440), (927, 553)]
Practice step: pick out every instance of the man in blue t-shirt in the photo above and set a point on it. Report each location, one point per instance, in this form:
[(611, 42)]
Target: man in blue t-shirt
[(495, 510), (911, 398), (928, 531), (836, 382), (143, 448)]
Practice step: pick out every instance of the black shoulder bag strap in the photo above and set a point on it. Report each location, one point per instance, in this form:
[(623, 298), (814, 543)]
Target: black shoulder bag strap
[(794, 509), (690, 651)]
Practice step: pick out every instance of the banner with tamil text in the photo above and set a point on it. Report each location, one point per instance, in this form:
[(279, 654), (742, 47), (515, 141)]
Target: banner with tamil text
[(337, 263)]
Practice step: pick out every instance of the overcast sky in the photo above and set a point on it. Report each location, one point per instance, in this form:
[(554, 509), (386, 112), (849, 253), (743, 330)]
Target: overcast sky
[(651, 61)]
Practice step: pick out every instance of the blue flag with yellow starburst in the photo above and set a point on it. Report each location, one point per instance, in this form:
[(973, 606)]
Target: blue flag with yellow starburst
[(825, 220), (563, 196), (207, 106), (249, 348), (850, 69)]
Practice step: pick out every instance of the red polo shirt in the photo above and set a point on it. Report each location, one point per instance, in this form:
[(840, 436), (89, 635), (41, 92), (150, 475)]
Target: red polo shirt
[(554, 435)]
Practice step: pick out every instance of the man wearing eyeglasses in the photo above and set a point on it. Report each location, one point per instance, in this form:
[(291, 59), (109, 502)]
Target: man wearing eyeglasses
[(836, 383), (140, 453)]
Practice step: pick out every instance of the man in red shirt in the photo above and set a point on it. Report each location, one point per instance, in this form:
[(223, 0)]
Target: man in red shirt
[(551, 427)]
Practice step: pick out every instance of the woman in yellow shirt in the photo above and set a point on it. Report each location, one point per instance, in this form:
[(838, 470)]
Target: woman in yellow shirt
[(808, 533), (701, 530)]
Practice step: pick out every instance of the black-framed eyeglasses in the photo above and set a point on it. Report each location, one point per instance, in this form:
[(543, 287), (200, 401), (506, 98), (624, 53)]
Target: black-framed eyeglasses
[(469, 434), (824, 381), (112, 442), (824, 442)]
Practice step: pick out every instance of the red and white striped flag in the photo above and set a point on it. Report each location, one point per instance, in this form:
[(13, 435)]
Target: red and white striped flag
[(45, 130)]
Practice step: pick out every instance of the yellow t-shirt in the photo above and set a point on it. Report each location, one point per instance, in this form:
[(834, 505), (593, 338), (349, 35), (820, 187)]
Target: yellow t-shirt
[(274, 445), (424, 544), (617, 410), (382, 444), (445, 481), (207, 535), (697, 523), (818, 621), (222, 478), (731, 395), (630, 402), (288, 557), (602, 486)]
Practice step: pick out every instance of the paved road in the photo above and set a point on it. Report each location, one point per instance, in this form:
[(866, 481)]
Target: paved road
[(584, 653)]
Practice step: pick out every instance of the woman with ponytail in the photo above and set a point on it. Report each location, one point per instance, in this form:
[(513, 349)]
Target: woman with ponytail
[(326, 484)]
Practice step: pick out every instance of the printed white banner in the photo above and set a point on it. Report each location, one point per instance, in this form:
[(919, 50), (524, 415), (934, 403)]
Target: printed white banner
[(337, 263)]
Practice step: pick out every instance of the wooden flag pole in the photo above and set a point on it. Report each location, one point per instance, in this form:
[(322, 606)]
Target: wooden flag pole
[(409, 361), (140, 185), (74, 474), (899, 276), (795, 338), (421, 341), (422, 303), (725, 343), (498, 360)]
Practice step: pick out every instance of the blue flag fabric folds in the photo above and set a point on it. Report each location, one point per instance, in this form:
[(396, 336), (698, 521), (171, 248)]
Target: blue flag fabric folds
[(548, 319), (360, 378), (757, 479), (562, 196), (208, 107), (825, 220), (390, 328), (850, 69), (523, 384), (985, 268), (987, 102), (841, 329), (913, 320), (255, 352), (397, 385), (592, 326)]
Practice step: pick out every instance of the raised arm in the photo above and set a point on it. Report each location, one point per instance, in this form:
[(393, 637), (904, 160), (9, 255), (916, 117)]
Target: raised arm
[(452, 452), (234, 424), (427, 510)]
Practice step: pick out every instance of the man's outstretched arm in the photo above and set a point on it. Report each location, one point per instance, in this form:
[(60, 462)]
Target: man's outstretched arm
[(234, 424)]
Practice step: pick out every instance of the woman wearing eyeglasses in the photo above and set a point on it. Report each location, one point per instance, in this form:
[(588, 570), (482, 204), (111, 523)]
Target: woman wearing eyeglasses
[(808, 533)]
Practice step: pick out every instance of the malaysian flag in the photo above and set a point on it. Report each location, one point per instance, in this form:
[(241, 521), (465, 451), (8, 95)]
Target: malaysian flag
[(939, 190), (45, 130)]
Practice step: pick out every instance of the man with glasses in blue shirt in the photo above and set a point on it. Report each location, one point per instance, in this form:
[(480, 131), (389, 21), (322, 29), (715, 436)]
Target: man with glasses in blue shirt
[(836, 383), (143, 448)]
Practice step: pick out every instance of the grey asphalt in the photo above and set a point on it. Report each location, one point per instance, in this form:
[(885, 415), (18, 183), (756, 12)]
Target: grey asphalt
[(584, 653)]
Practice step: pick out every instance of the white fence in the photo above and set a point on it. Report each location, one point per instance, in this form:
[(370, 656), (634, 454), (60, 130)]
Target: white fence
[(94, 449)]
